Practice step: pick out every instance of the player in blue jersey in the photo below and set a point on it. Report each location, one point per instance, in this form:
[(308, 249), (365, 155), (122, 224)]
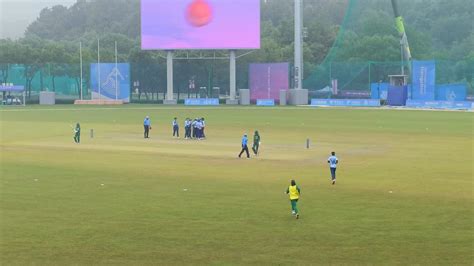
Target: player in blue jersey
[(146, 126), (244, 146)]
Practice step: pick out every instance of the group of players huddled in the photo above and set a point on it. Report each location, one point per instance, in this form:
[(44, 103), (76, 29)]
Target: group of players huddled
[(193, 128)]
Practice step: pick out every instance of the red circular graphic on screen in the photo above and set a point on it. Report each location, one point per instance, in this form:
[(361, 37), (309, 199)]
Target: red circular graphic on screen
[(199, 13)]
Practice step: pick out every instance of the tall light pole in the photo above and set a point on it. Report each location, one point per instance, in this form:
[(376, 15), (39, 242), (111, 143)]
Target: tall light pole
[(116, 73), (80, 63), (298, 45), (98, 66)]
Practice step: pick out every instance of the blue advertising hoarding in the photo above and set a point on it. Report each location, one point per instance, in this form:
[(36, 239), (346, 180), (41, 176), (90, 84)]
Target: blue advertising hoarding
[(201, 101), (379, 90), (451, 92), (346, 102), (265, 102), (17, 88), (423, 80), (440, 104), (110, 76)]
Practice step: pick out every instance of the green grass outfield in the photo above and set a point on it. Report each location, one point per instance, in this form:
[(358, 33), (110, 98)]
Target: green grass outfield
[(54, 210)]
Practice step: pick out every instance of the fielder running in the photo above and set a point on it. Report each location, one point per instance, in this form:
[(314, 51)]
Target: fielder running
[(294, 192)]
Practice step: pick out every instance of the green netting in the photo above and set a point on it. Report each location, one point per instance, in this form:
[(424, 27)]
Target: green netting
[(367, 46), (59, 78), (64, 79)]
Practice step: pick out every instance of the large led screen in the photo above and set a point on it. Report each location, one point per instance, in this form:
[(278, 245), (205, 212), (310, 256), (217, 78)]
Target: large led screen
[(200, 24)]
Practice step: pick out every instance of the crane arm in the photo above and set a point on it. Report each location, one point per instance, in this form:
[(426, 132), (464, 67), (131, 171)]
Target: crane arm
[(401, 31)]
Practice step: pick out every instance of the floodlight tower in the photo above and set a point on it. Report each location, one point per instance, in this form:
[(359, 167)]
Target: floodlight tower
[(298, 95), (298, 45), (169, 79)]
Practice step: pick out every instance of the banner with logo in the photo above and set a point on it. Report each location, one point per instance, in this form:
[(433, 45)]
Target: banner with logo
[(265, 102), (114, 81), (201, 101), (379, 90), (451, 92), (346, 102), (423, 80), (440, 104)]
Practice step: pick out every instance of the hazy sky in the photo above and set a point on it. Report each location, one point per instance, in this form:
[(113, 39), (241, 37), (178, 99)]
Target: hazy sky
[(16, 15)]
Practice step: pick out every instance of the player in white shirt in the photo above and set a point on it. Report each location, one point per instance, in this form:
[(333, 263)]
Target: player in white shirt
[(333, 161), (175, 127), (187, 128)]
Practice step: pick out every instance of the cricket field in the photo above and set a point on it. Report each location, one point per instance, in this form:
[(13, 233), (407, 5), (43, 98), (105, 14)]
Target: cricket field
[(404, 192)]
